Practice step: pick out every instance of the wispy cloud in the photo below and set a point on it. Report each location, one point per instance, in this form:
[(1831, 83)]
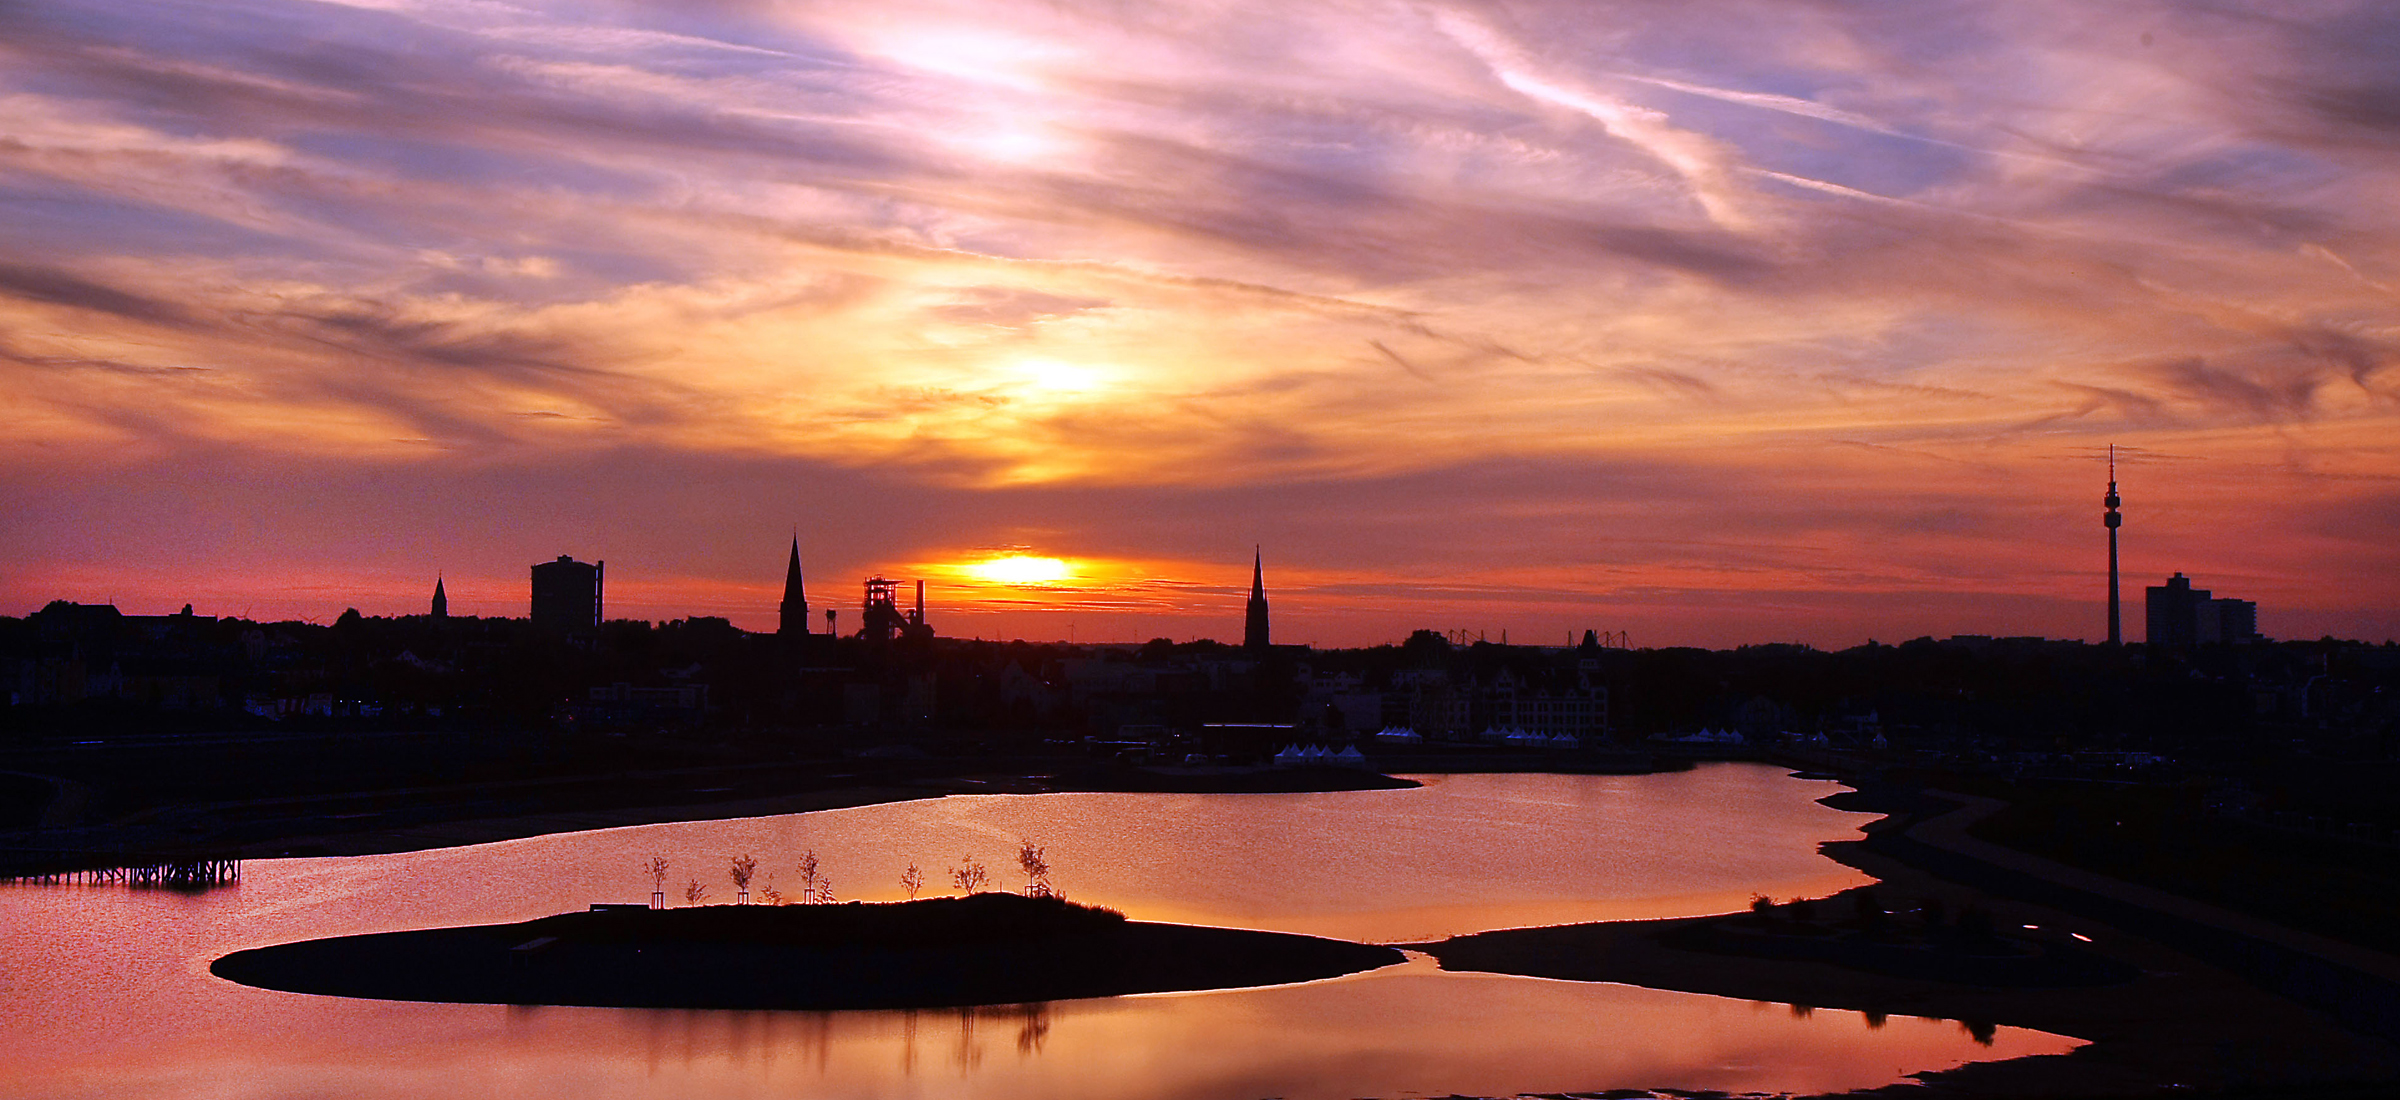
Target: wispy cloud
[(1484, 287)]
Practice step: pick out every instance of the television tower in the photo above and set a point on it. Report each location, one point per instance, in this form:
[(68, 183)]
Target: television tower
[(2112, 520)]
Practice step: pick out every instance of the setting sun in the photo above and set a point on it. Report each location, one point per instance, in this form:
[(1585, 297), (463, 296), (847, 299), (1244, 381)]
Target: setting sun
[(1020, 569)]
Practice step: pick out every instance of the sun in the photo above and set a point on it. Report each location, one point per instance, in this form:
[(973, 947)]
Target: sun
[(1052, 376), (1021, 569)]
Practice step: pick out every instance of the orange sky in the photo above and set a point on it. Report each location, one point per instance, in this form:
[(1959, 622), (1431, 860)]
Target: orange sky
[(1711, 323)]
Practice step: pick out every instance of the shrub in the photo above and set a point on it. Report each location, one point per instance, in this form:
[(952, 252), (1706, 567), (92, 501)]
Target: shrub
[(971, 877)]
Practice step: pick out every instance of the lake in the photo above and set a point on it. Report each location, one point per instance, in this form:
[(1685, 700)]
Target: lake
[(105, 989)]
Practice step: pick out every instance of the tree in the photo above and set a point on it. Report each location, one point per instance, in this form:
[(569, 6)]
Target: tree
[(1425, 647), (913, 880), (743, 868), (971, 877), (810, 872), (694, 892), (1037, 871), (1868, 909), (770, 894), (657, 868)]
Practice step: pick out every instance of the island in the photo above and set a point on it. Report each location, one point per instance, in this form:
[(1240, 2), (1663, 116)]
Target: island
[(988, 948)]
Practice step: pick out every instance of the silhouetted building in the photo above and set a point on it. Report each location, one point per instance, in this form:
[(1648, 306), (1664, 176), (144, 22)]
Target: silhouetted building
[(2173, 612), (881, 612), (2180, 616), (441, 601), (2112, 521), (2235, 621), (794, 619), (566, 594), (1254, 623)]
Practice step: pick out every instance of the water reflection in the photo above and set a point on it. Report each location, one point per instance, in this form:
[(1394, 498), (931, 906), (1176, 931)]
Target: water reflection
[(106, 990)]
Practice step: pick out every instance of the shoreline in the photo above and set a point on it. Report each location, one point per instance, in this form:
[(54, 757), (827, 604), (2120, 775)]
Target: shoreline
[(2180, 1025), (246, 831)]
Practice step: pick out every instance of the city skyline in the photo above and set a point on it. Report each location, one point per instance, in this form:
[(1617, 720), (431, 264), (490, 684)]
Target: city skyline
[(1730, 323), (567, 595)]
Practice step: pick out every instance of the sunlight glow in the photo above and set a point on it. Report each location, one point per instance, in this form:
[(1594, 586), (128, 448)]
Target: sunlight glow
[(1052, 375), (1019, 569)]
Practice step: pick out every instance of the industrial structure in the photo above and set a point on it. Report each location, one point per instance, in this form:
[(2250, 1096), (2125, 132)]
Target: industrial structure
[(884, 619)]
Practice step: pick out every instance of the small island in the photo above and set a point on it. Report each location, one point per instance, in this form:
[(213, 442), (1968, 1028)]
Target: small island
[(990, 948)]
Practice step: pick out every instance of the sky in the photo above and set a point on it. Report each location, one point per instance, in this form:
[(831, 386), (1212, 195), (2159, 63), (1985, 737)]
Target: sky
[(1707, 322)]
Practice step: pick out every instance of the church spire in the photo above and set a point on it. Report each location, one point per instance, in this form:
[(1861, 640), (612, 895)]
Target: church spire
[(794, 621), (1254, 626), (441, 602)]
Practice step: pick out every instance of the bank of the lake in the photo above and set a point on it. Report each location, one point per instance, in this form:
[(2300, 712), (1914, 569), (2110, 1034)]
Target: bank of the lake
[(2157, 1021), (383, 822), (982, 949)]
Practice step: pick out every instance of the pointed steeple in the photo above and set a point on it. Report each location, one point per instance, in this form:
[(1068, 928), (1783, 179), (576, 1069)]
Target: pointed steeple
[(1254, 625), (794, 621), (441, 601)]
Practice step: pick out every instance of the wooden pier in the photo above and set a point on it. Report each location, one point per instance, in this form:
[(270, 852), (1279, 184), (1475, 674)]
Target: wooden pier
[(96, 869)]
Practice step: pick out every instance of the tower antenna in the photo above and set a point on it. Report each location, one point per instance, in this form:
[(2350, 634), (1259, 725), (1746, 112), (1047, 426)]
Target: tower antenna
[(2112, 521)]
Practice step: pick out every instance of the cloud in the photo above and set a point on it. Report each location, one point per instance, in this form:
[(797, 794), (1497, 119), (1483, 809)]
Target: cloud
[(1456, 292), (56, 287)]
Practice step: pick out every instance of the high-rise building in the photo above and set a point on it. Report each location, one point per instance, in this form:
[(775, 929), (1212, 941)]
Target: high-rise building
[(1254, 623), (441, 602), (2111, 520), (2234, 621), (2180, 616), (794, 619), (566, 594), (2172, 612)]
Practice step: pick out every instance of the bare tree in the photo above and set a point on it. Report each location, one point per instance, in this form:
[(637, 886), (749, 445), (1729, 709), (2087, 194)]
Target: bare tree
[(694, 892), (913, 880), (657, 869), (743, 868), (825, 891), (809, 873), (1037, 871), (770, 894), (971, 877)]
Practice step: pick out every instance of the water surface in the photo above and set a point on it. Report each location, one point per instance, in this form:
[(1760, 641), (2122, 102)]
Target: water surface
[(105, 989)]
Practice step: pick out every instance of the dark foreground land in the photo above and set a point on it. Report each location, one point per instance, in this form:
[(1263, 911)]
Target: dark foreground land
[(76, 807), (2163, 1014), (977, 950)]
